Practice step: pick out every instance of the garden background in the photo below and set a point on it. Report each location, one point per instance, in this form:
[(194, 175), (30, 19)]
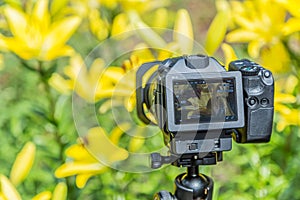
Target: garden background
[(52, 53)]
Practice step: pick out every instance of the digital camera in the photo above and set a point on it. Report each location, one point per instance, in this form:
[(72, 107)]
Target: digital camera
[(199, 106)]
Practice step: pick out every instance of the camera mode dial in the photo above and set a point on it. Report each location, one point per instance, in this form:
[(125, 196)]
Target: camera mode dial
[(246, 67), (249, 70)]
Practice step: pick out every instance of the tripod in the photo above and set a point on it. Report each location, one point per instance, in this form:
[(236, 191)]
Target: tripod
[(190, 185)]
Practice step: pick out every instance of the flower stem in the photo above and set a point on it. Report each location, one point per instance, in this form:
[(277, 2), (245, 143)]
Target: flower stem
[(44, 76)]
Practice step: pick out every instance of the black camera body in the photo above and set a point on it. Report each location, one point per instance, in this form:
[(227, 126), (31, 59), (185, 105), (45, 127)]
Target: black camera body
[(258, 85), (198, 104)]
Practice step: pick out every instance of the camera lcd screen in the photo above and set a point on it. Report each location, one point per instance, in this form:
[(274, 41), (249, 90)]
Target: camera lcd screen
[(204, 101)]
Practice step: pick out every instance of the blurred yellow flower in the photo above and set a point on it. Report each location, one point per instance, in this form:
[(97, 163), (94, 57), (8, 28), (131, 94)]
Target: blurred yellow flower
[(183, 36), (98, 26), (60, 191), (217, 30), (229, 54), (262, 25), (142, 6), (19, 172), (292, 6), (121, 26), (183, 32), (23, 163), (160, 18), (7, 190), (35, 35), (86, 156), (91, 84), (293, 23), (288, 118), (83, 164), (99, 82), (46, 195), (283, 99)]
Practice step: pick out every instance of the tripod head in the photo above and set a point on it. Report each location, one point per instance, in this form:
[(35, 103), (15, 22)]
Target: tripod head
[(190, 185), (186, 160)]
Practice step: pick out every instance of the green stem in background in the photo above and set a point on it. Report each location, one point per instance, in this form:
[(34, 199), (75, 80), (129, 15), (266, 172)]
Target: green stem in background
[(44, 76), (51, 109), (47, 89)]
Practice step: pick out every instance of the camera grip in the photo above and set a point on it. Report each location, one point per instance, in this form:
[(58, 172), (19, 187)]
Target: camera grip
[(258, 86)]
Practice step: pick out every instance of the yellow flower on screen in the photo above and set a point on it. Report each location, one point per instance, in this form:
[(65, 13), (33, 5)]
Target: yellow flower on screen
[(261, 24), (34, 35)]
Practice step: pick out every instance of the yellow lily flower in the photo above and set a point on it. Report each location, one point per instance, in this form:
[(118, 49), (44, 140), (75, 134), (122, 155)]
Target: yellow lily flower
[(124, 86), (98, 26), (292, 6), (121, 26), (46, 195), (107, 151), (291, 118), (183, 32), (89, 10), (283, 97), (86, 156), (142, 6), (36, 36), (229, 54), (23, 163), (183, 38), (7, 190), (83, 164), (261, 24), (217, 30), (123, 90), (160, 18), (293, 24), (99, 82), (60, 191), (90, 84)]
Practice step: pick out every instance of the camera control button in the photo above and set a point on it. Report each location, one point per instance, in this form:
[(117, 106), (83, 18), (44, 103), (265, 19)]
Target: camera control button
[(264, 101), (252, 101), (193, 146), (267, 74)]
